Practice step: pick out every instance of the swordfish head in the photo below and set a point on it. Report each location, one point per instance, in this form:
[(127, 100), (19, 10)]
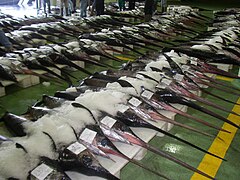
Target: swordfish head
[(118, 131)]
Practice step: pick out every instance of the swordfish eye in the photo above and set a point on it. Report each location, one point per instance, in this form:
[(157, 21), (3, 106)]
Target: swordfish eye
[(104, 142), (86, 160)]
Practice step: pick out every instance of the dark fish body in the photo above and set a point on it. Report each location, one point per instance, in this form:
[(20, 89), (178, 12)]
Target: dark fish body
[(55, 171), (61, 59), (50, 101), (33, 64), (70, 96), (84, 162), (7, 74), (14, 123), (34, 113)]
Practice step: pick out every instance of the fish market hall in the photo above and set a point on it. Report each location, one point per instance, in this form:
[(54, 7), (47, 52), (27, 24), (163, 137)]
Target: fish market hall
[(119, 89)]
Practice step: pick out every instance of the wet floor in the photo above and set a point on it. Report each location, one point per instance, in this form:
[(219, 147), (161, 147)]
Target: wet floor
[(20, 10)]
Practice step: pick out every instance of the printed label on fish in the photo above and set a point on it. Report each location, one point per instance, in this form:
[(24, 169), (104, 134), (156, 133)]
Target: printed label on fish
[(16, 63), (42, 171), (134, 101), (139, 76), (161, 86), (108, 121), (194, 62), (76, 148), (179, 77), (123, 108), (88, 135), (166, 81), (185, 67), (147, 94)]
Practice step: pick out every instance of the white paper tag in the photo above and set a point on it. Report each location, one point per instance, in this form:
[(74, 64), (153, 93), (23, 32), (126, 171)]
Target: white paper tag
[(88, 135), (134, 101), (194, 62), (76, 148), (108, 121), (139, 76), (147, 94), (166, 81), (179, 77), (42, 56), (123, 108), (161, 86), (42, 171), (16, 63), (185, 67)]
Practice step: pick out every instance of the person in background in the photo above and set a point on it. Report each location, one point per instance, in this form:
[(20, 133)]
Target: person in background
[(164, 5), (83, 7), (121, 4), (93, 8), (148, 9), (74, 2), (4, 41), (65, 4), (46, 2), (99, 5), (131, 4)]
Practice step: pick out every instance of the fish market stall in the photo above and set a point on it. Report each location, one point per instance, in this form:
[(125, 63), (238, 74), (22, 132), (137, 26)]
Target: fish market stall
[(96, 126)]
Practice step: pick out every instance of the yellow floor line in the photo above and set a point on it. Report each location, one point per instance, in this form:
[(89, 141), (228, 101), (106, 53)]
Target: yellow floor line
[(210, 164), (224, 78), (125, 58)]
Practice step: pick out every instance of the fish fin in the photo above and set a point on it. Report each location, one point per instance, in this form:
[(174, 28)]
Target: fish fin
[(21, 147), (78, 105), (53, 143), (74, 131)]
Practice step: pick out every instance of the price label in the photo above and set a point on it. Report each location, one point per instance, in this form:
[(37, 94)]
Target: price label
[(88, 135), (179, 77), (194, 62), (16, 63), (108, 121), (134, 101), (42, 171), (76, 148), (139, 76), (166, 81), (185, 67), (42, 56), (161, 86), (147, 94), (123, 108)]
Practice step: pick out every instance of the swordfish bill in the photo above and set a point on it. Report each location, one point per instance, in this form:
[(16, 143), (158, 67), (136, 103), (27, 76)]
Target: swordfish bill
[(185, 93), (215, 86), (104, 144), (138, 122), (169, 97), (155, 116), (219, 97), (169, 107), (139, 142)]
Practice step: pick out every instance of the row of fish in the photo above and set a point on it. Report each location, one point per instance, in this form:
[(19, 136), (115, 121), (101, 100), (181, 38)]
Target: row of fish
[(153, 34), (68, 131)]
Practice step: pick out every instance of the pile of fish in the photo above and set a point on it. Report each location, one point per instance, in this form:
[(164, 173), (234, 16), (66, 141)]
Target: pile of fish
[(226, 18), (72, 129), (37, 45)]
